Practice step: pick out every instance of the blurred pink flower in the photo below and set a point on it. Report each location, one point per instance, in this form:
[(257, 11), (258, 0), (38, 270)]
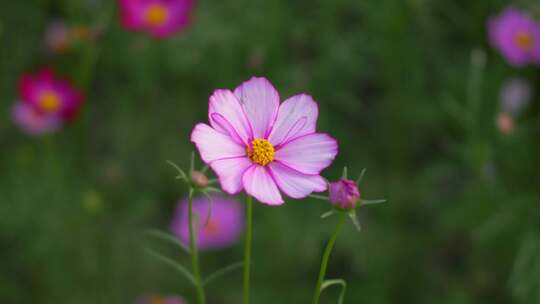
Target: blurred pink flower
[(160, 18), (221, 229), (49, 95), (514, 96), (516, 35), (505, 123), (59, 36), (33, 122), (256, 144), (56, 37), (161, 300), (344, 194)]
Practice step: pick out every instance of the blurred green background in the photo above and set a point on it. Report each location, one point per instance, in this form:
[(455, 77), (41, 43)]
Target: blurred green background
[(408, 87)]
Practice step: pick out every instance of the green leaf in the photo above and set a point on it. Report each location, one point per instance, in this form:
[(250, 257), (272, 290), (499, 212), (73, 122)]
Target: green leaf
[(354, 219), (332, 282), (345, 173), (167, 237), (223, 271), (328, 214), (321, 197), (360, 177), (178, 267), (373, 202), (181, 173)]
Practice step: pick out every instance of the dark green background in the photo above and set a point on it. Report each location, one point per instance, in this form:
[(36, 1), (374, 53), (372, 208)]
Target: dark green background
[(462, 222)]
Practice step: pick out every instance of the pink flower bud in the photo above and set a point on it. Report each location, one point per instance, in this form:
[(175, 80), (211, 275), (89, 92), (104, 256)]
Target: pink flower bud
[(505, 124), (344, 194), (199, 179)]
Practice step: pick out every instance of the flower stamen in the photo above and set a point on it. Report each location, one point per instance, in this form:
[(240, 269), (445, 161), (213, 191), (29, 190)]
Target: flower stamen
[(49, 101), (524, 41), (261, 151), (156, 14)]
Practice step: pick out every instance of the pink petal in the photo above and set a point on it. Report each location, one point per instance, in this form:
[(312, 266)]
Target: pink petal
[(261, 102), (230, 172), (294, 183), (259, 184), (213, 145), (309, 154), (297, 116), (226, 106)]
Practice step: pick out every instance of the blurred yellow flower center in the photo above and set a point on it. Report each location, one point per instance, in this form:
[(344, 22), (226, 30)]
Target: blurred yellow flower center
[(524, 41), (261, 151), (156, 14), (157, 300), (49, 101)]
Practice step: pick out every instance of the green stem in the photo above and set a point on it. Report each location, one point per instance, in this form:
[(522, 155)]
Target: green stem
[(326, 256), (247, 247), (194, 254)]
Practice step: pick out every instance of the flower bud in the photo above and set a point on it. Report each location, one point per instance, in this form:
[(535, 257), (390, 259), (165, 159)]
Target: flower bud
[(344, 194), (199, 179), (505, 123)]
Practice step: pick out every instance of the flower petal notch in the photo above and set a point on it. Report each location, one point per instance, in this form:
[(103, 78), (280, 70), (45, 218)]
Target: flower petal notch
[(256, 144)]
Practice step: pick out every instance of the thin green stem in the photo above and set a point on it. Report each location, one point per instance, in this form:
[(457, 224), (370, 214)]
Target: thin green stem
[(247, 247), (194, 253), (326, 257)]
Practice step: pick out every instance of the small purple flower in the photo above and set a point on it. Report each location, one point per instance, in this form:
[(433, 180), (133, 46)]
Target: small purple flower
[(516, 35), (33, 122), (515, 95), (344, 194), (221, 229), (161, 300)]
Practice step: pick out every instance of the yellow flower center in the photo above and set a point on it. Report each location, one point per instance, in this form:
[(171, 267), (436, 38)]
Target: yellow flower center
[(49, 101), (524, 41), (157, 300), (261, 151), (156, 14)]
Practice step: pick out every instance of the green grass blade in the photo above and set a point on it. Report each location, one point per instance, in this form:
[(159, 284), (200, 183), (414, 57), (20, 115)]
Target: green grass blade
[(223, 271)]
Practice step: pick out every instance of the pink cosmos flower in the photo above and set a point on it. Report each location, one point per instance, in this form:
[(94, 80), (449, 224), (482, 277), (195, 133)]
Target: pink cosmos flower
[(161, 300), (256, 144), (32, 122), (516, 35), (218, 229), (160, 18), (49, 95)]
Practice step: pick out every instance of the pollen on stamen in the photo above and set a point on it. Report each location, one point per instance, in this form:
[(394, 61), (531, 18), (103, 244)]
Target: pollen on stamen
[(261, 151)]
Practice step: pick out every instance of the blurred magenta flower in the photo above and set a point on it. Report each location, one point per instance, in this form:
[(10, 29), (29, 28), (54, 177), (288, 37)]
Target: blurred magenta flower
[(256, 144), (59, 36), (161, 300), (344, 194), (49, 95), (515, 95), (159, 18), (216, 229), (32, 122), (516, 35)]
